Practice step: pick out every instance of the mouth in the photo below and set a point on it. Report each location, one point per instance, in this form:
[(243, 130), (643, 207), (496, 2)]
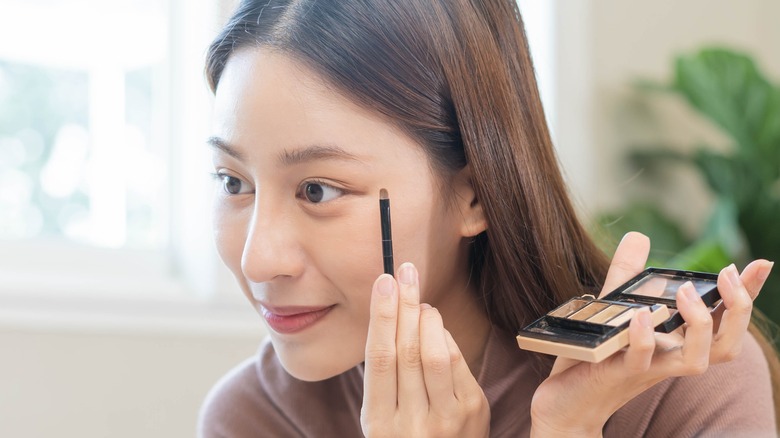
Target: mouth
[(294, 319)]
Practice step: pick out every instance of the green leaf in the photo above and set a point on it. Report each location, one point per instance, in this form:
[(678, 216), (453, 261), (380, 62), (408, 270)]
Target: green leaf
[(654, 155), (704, 255), (651, 159), (665, 234), (760, 222), (735, 177), (727, 87), (719, 172), (723, 228)]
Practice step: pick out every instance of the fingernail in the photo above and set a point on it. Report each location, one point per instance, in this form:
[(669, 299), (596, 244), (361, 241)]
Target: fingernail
[(690, 292), (425, 306), (733, 276), (407, 274), (644, 318), (764, 272), (385, 285)]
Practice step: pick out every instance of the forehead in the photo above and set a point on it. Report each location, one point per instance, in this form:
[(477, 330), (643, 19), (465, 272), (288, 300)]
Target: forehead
[(268, 106), (265, 97), (255, 79)]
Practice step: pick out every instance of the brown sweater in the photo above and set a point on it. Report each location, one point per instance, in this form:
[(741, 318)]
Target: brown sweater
[(259, 399)]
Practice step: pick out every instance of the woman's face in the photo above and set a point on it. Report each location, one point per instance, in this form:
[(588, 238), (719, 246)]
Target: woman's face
[(297, 212)]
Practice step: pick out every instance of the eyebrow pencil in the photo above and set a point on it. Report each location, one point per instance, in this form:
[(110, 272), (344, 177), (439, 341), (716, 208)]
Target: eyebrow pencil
[(387, 235)]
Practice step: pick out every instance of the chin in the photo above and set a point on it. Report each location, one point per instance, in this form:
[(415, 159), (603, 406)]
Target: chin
[(311, 366)]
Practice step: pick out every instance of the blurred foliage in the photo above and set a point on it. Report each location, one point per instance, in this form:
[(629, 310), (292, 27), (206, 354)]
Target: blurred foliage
[(727, 88)]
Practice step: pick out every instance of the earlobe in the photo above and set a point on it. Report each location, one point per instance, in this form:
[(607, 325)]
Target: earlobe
[(472, 215)]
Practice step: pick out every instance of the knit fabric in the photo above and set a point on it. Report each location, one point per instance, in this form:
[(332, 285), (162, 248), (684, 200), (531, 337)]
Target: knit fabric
[(258, 398)]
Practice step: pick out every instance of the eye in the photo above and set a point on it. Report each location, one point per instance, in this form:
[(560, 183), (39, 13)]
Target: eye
[(318, 192), (232, 185)]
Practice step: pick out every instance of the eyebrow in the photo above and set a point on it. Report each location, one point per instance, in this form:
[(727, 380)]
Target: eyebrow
[(295, 156), (223, 146)]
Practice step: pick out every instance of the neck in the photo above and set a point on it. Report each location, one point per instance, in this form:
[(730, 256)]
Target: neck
[(466, 320)]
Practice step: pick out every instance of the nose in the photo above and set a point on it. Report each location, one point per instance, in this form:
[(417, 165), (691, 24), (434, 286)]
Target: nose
[(272, 249)]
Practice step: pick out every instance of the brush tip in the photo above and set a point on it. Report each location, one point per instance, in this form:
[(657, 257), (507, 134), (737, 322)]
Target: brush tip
[(383, 194)]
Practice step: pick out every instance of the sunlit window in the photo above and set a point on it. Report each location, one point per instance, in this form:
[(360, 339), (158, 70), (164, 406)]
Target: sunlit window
[(82, 122)]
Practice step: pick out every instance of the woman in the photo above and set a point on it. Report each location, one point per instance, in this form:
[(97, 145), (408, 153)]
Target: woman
[(320, 105)]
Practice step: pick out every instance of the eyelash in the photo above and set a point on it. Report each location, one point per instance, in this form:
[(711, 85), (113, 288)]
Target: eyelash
[(219, 176), (302, 186)]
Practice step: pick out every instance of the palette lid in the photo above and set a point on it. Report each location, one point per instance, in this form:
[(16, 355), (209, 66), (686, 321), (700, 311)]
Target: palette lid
[(660, 286)]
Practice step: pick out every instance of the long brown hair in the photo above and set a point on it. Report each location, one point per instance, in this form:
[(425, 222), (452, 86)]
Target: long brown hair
[(457, 76)]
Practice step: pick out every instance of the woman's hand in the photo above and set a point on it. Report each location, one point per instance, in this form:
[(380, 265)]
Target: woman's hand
[(579, 397), (417, 382)]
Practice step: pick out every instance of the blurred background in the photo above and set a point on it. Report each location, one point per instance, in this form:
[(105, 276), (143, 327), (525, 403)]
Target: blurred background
[(116, 316)]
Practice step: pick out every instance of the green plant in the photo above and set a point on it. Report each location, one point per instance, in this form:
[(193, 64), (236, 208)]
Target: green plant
[(727, 88)]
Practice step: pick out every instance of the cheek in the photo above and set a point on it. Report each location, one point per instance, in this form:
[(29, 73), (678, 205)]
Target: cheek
[(229, 231), (430, 239), (349, 252)]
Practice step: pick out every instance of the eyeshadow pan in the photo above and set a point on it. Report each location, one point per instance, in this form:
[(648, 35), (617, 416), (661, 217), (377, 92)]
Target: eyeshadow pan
[(607, 314), (588, 311), (568, 308), (623, 317)]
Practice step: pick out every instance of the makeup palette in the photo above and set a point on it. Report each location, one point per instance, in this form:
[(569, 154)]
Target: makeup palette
[(590, 329)]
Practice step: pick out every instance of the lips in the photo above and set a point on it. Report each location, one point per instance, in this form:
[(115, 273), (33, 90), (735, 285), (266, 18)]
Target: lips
[(294, 319)]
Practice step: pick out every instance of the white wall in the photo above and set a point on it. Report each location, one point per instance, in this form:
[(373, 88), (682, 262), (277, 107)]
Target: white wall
[(88, 385)]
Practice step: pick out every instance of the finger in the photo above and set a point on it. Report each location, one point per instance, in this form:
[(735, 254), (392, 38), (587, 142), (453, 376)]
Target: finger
[(412, 396), (436, 361), (379, 383), (464, 384), (666, 342), (698, 335), (629, 259), (562, 364), (754, 276), (639, 354), (749, 278), (738, 306), (717, 316)]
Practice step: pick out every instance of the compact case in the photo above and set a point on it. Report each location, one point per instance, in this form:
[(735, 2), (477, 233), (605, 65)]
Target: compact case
[(590, 329)]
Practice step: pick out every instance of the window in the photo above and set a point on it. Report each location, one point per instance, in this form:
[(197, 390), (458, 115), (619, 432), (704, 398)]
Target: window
[(82, 139), (104, 175)]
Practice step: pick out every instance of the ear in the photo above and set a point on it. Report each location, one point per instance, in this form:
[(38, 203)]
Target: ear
[(471, 215)]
